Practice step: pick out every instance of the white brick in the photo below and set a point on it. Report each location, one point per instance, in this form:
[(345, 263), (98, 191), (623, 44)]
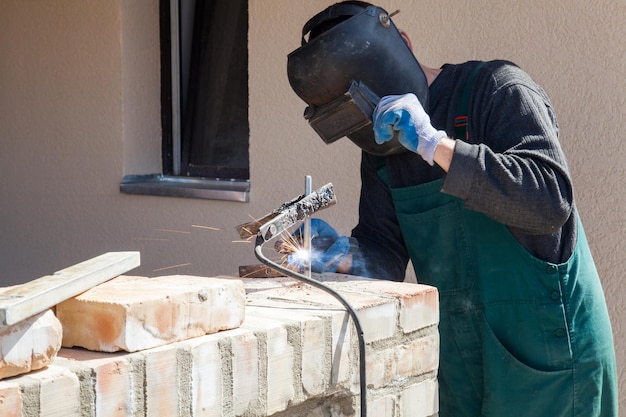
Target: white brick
[(419, 309), (378, 321), (30, 344), (314, 347), (315, 361), (280, 363), (421, 399), (135, 313), (245, 370), (207, 386), (381, 367), (398, 362), (11, 401), (418, 356), (162, 382), (59, 391), (419, 304), (381, 407), (110, 379)]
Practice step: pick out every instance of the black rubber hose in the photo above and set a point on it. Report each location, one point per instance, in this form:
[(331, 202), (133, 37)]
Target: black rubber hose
[(351, 311)]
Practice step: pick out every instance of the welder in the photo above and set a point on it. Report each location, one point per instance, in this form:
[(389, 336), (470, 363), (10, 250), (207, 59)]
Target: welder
[(463, 174)]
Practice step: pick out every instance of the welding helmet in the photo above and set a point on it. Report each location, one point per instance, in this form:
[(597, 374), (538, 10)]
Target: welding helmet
[(354, 55)]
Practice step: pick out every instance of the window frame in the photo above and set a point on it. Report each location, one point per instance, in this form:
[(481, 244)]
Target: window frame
[(170, 182)]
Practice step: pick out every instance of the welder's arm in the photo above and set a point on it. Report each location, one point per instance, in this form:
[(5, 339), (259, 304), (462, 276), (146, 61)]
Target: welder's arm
[(444, 152), (514, 170), (382, 253)]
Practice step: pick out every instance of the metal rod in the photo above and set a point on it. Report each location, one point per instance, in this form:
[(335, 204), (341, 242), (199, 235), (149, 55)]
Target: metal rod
[(307, 228)]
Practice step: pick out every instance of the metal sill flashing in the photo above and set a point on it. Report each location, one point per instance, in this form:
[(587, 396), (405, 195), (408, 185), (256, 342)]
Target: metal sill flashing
[(172, 186)]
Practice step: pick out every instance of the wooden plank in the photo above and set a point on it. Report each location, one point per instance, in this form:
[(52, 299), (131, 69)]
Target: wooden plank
[(22, 301)]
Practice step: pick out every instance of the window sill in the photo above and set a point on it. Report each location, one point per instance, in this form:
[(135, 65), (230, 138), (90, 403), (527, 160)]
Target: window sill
[(171, 186)]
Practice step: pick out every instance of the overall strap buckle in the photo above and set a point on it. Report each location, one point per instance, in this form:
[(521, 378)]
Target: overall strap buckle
[(462, 120)]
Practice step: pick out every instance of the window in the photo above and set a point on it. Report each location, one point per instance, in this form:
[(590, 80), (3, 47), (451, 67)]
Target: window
[(204, 102)]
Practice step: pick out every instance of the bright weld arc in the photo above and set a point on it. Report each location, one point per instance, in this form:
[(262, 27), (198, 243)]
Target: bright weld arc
[(302, 257)]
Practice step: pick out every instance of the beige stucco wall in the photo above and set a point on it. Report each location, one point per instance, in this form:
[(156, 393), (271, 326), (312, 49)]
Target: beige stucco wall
[(79, 109)]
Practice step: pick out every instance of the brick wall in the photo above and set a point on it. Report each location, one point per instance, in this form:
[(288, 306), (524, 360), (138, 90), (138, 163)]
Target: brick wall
[(295, 354)]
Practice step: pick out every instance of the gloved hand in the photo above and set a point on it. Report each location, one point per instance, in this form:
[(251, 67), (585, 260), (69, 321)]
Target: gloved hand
[(328, 248), (405, 115)]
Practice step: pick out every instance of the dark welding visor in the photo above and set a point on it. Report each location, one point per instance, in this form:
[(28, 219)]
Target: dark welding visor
[(344, 115)]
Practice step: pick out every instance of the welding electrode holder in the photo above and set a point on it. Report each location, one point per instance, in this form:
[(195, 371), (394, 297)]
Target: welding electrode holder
[(288, 214)]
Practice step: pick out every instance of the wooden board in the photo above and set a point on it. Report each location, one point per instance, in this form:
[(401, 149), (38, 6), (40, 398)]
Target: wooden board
[(22, 301)]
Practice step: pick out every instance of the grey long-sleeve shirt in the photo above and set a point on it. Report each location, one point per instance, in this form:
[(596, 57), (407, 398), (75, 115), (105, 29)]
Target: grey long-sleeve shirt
[(513, 170)]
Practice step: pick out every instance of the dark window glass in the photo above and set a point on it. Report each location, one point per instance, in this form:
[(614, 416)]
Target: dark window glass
[(209, 137)]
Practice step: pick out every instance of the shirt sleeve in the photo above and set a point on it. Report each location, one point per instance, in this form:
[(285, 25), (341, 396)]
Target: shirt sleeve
[(382, 252), (514, 171)]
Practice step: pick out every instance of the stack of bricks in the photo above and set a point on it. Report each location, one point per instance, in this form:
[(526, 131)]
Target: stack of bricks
[(295, 353)]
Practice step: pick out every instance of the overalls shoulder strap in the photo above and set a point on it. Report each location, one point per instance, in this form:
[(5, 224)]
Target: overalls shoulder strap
[(461, 120)]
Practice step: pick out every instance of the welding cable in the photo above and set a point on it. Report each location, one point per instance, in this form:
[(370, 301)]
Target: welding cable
[(351, 311)]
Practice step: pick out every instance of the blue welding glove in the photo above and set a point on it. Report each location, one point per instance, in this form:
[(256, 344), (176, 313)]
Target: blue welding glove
[(405, 116), (328, 248)]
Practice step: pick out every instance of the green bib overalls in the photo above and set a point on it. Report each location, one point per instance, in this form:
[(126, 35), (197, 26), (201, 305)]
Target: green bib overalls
[(519, 336)]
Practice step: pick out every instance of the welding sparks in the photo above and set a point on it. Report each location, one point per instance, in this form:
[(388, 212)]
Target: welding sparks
[(288, 244), (174, 231), (205, 227), (294, 252), (171, 267)]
